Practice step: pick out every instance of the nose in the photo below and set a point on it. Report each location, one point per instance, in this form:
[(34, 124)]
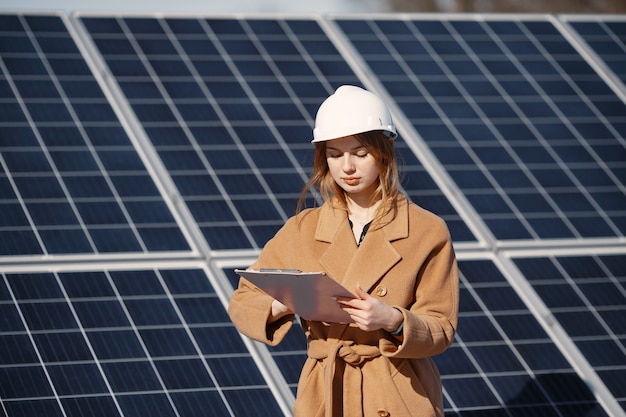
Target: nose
[(347, 164)]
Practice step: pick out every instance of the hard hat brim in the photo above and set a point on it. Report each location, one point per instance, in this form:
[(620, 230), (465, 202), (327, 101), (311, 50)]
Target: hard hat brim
[(389, 131)]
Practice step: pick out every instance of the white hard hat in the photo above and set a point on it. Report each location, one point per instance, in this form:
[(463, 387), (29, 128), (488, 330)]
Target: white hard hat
[(351, 110)]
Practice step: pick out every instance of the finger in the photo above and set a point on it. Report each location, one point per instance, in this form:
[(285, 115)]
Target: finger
[(360, 292), (343, 299), (350, 309)]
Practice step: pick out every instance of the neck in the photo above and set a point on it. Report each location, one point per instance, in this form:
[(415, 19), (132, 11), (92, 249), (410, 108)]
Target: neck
[(362, 213)]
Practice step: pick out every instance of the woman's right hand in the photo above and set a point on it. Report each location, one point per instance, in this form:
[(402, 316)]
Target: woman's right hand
[(279, 310)]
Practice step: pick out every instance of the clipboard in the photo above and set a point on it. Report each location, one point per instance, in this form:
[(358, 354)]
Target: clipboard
[(311, 295)]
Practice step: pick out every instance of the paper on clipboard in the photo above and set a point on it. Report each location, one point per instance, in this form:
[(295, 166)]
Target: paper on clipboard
[(308, 294)]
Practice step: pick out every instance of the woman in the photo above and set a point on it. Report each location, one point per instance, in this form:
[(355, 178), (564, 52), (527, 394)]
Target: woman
[(397, 258)]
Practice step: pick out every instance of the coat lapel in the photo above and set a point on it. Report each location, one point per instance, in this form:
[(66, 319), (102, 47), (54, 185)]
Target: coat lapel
[(349, 264), (333, 228)]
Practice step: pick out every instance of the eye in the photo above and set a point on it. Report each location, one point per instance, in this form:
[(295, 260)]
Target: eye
[(362, 154)]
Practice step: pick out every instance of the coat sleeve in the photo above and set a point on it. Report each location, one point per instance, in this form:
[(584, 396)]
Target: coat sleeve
[(250, 308), (430, 322)]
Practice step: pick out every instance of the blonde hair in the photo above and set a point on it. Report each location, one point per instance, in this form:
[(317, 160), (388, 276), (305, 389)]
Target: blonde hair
[(381, 147)]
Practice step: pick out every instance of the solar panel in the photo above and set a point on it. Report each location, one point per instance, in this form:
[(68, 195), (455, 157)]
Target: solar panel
[(185, 139), (520, 120), (72, 181), (123, 342)]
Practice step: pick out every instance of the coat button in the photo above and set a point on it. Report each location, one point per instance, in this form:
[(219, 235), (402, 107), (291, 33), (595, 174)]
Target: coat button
[(383, 413), (381, 291)]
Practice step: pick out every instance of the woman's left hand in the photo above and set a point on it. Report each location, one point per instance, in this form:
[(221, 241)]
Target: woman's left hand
[(369, 313)]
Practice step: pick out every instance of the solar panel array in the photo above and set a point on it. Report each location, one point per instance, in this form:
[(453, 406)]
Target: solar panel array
[(145, 157)]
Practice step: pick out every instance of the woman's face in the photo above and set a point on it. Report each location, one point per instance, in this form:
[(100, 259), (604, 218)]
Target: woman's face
[(352, 167)]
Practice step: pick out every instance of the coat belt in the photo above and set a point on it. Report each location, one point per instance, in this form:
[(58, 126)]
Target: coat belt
[(353, 355)]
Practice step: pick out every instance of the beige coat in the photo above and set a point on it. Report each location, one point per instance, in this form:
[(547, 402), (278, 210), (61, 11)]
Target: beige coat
[(408, 263)]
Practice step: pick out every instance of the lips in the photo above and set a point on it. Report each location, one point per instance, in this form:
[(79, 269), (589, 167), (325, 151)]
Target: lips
[(351, 180)]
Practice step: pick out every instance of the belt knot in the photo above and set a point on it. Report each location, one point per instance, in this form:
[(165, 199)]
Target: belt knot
[(351, 353)]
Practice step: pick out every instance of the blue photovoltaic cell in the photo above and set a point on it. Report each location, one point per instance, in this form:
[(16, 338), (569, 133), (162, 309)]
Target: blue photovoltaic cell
[(510, 106), (127, 341), (72, 181), (232, 106)]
